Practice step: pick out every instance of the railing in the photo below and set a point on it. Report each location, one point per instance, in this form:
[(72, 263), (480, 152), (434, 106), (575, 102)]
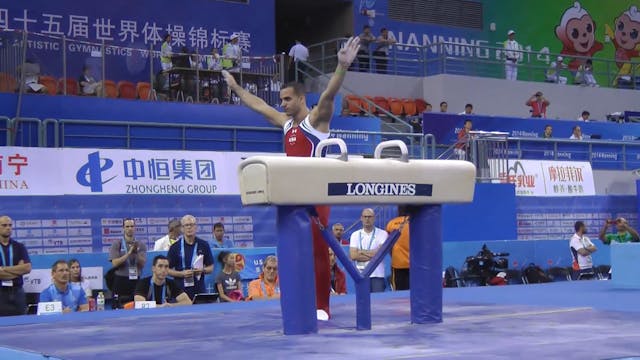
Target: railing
[(477, 60), (194, 81)]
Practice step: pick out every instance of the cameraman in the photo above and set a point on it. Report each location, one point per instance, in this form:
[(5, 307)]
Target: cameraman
[(625, 232)]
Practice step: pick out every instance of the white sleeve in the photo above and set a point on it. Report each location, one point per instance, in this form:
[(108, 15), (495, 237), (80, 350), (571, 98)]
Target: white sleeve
[(291, 51), (353, 240), (576, 244)]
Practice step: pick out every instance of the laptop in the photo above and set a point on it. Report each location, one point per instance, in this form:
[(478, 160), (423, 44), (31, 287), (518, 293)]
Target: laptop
[(205, 298)]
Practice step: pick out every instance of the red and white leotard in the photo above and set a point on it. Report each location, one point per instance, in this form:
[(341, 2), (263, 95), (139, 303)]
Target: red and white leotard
[(301, 140)]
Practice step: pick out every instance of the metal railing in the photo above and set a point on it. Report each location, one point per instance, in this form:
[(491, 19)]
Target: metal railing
[(262, 75), (477, 60)]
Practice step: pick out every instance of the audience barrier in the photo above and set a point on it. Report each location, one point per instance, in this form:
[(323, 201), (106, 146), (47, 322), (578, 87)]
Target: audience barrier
[(546, 253)]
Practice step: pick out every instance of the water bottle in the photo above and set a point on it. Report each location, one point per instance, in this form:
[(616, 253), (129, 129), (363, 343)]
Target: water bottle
[(100, 302)]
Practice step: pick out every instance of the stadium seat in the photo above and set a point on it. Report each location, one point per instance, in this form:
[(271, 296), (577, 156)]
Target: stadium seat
[(558, 274), (111, 91), (395, 105), (354, 104), (126, 90), (409, 107), (382, 102), (369, 107), (143, 89), (50, 82), (421, 105), (72, 86), (8, 83)]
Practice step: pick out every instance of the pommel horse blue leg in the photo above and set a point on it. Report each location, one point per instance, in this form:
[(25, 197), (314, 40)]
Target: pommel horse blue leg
[(297, 280)]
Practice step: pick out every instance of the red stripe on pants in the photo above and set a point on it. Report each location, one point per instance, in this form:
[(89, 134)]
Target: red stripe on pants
[(321, 263)]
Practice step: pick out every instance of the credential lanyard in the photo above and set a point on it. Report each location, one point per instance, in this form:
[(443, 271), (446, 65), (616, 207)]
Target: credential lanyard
[(123, 248), (183, 254), (4, 260), (152, 289), (264, 290), (373, 237)]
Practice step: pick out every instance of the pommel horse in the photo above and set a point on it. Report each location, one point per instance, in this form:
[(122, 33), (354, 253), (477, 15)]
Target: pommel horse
[(296, 184)]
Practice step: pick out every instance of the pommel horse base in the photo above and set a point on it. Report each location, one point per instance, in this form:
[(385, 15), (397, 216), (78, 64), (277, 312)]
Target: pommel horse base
[(295, 185)]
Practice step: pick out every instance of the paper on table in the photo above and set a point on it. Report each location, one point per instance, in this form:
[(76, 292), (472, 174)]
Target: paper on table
[(198, 263)]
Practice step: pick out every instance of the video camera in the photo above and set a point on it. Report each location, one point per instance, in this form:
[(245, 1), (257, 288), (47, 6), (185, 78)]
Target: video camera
[(485, 265)]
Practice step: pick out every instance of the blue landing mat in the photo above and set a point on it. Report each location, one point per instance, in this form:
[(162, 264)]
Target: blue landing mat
[(480, 323)]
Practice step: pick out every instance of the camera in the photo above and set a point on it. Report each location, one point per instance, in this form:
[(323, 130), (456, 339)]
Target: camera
[(482, 267)]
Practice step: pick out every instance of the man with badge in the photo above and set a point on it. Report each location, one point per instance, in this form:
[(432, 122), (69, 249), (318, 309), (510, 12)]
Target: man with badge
[(71, 296), (165, 292), (364, 245), (190, 259), (15, 263), (128, 257)]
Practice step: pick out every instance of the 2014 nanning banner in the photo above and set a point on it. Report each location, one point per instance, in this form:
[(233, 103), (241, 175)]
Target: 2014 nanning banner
[(44, 171)]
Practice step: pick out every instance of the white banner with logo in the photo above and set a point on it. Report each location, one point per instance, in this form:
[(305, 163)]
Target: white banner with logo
[(40, 279), (549, 178), (44, 171)]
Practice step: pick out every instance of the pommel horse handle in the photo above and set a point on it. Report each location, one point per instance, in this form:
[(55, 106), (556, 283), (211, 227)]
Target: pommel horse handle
[(333, 141), (404, 152)]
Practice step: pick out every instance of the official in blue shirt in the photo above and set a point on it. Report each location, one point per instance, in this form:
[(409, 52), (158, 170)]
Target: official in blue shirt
[(218, 238), (71, 296), (183, 264)]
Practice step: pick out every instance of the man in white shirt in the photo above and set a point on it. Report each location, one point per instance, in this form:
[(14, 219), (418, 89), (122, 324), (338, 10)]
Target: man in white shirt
[(581, 250), (364, 245), (298, 54), (165, 242), (512, 56), (468, 110), (577, 133), (584, 116)]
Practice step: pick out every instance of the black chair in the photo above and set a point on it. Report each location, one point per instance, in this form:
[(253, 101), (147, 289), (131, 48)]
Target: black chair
[(557, 273), (602, 272), (514, 277)]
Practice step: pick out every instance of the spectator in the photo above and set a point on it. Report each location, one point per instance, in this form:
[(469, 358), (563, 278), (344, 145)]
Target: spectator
[(512, 56), (218, 238), (76, 278), (538, 104), (267, 286), (338, 278), (400, 251), (88, 84), (231, 53), (31, 77), (443, 107), (71, 296), (228, 281), (128, 257), (462, 145), (175, 229), (165, 291), (166, 52), (15, 263), (381, 53), (190, 259), (364, 245), (553, 72), (625, 233), (338, 232), (584, 75), (429, 108), (581, 250), (577, 133), (214, 60), (366, 38), (584, 116), (468, 110), (548, 132), (298, 55), (416, 124)]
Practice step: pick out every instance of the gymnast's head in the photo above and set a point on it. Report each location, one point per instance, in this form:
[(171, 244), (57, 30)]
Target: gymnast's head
[(292, 99)]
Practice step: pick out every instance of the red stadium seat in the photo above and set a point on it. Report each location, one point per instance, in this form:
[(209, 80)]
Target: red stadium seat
[(126, 90), (382, 102), (354, 104), (409, 107), (421, 105), (8, 83), (111, 91), (369, 107), (50, 83), (72, 86), (395, 105), (143, 89)]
